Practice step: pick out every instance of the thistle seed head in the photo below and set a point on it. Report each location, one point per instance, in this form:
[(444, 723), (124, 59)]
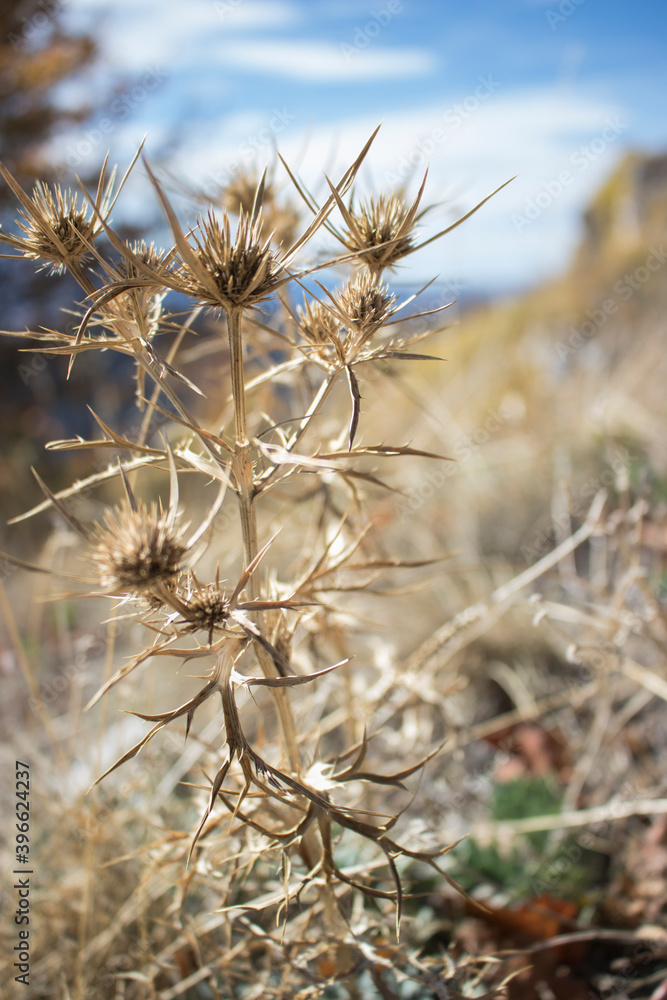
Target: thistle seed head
[(142, 305), (280, 217), (244, 271), (135, 549), (57, 231), (383, 222), (318, 326), (207, 606), (363, 306), (239, 195), (149, 255)]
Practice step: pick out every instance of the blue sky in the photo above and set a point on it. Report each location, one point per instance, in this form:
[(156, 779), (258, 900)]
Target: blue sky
[(552, 90)]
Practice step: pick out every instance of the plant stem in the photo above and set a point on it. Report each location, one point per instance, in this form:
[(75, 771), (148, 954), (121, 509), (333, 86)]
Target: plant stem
[(242, 461), (242, 468), (234, 316)]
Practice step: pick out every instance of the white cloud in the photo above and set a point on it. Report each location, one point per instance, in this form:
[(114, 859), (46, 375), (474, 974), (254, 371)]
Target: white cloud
[(240, 15), (535, 134), (318, 61), (135, 34), (471, 143)]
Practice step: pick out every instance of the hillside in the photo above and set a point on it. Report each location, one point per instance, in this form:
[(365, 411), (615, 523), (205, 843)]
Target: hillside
[(560, 391)]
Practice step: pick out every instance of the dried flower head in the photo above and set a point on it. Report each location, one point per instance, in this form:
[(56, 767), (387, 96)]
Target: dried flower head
[(137, 548), (57, 231), (319, 327), (338, 331), (237, 274), (141, 304), (232, 273), (239, 195), (281, 218), (148, 254), (381, 229), (207, 606), (362, 307)]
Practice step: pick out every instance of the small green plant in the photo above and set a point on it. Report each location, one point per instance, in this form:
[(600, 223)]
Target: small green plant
[(516, 799)]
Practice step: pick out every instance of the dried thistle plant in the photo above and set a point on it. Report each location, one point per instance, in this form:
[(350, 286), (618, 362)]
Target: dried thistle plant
[(56, 232), (287, 799)]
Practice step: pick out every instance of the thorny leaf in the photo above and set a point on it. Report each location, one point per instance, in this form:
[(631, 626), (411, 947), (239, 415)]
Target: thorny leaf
[(356, 404)]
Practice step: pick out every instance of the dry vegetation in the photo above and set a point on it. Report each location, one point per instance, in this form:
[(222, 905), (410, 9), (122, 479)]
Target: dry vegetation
[(341, 640)]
